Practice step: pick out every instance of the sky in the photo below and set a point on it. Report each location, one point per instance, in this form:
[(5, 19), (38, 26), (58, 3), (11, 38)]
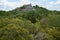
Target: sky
[(12, 4)]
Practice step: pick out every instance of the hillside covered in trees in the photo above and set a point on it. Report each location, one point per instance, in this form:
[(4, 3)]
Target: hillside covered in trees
[(30, 23)]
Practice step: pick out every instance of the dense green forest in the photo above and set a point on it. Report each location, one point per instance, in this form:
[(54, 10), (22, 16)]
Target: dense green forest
[(37, 24)]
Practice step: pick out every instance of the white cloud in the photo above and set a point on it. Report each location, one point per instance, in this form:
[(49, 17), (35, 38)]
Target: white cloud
[(12, 5), (52, 2), (57, 2), (24, 1)]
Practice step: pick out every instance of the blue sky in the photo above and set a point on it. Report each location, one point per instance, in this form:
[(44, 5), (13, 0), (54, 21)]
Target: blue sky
[(12, 4)]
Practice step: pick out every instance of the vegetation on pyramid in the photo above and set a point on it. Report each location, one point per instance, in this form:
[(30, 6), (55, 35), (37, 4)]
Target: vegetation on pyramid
[(30, 23)]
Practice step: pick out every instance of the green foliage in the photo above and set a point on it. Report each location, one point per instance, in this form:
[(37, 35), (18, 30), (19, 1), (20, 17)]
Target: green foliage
[(38, 24), (54, 21)]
